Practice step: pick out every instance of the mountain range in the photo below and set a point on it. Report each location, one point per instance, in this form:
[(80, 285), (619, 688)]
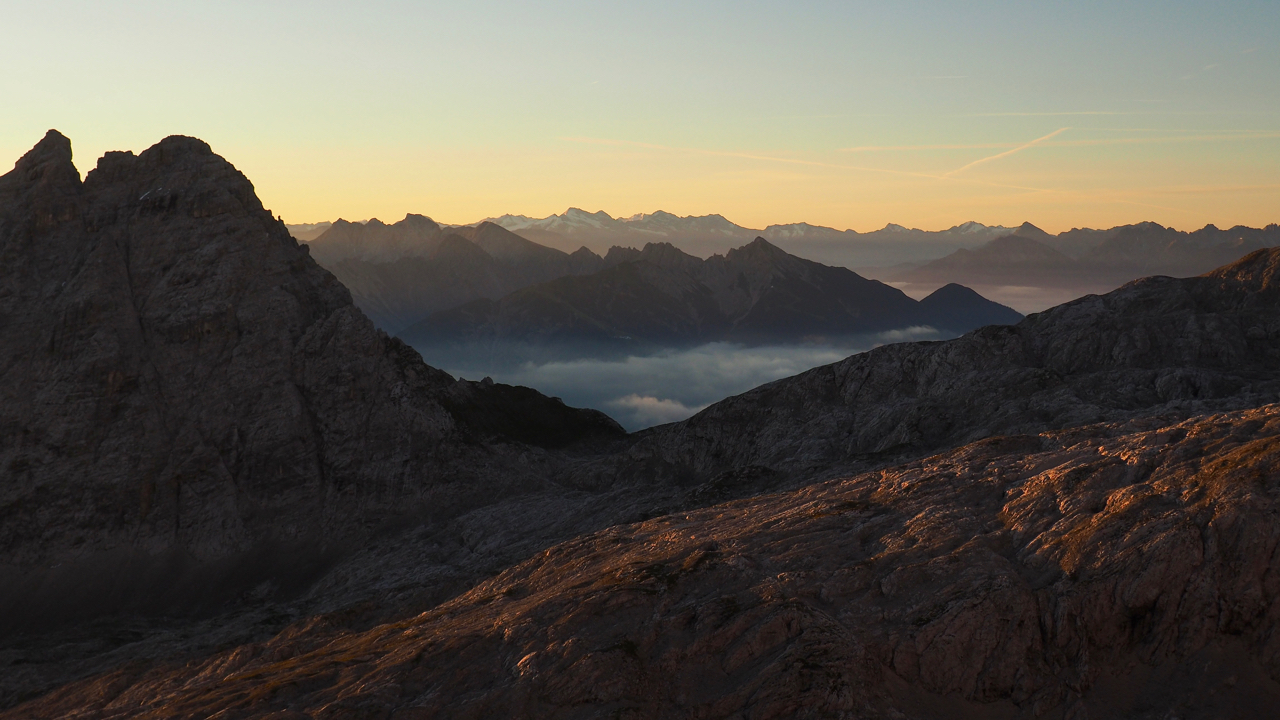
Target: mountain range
[(713, 234), (227, 494), (401, 273), (1093, 259), (664, 297), (431, 283), (1025, 273)]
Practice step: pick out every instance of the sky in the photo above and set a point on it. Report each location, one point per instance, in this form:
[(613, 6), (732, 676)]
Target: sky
[(845, 114)]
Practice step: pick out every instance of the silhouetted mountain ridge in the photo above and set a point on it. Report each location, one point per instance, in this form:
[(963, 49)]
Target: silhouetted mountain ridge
[(754, 294), (1093, 259), (400, 273)]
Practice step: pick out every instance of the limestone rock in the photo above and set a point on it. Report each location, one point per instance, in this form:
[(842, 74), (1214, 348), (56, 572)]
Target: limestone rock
[(1114, 571)]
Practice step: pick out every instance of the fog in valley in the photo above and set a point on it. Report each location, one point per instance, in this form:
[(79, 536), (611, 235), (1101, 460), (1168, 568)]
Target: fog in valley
[(646, 388)]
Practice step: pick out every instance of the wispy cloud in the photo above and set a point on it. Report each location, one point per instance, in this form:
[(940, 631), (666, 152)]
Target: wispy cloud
[(1219, 137), (1007, 153), (746, 156), (647, 410), (1048, 114), (809, 163), (956, 175), (1165, 140), (877, 148)]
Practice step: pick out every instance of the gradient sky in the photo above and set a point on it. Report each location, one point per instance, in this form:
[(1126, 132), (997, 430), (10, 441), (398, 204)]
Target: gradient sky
[(848, 114)]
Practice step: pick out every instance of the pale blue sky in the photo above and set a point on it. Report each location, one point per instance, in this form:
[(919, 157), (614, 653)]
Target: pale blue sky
[(462, 110)]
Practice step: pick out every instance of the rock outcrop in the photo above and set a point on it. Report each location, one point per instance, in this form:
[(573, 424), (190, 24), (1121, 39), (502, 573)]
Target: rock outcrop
[(190, 406), (1113, 571)]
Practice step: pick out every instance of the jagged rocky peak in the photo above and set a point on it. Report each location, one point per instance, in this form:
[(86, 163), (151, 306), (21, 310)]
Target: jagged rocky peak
[(54, 148), (666, 255), (1027, 230), (618, 254), (758, 249), (182, 379), (376, 241)]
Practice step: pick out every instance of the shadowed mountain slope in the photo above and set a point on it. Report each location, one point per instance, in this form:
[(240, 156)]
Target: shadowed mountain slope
[(755, 294), (184, 388), (998, 262)]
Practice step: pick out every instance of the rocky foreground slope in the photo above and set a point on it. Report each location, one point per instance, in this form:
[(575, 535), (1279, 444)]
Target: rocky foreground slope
[(1113, 571)]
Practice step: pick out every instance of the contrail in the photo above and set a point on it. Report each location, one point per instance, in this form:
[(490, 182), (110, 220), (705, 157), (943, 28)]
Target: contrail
[(810, 163), (1007, 153)]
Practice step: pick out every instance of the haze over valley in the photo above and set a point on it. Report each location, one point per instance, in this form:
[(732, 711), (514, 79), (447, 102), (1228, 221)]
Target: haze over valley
[(653, 334)]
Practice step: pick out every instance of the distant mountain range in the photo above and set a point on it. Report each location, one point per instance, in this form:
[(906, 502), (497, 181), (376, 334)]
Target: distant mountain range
[(415, 269), (1092, 259), (400, 273), (661, 296), (711, 234), (897, 253)]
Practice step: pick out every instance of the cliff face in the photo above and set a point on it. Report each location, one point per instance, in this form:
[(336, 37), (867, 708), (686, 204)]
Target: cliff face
[(1114, 571), (183, 386), (1158, 345)]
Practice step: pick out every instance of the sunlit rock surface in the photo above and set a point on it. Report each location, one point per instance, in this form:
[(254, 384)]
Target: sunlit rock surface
[(1117, 570)]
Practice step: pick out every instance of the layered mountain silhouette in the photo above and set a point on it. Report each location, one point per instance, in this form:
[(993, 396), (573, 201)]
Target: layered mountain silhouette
[(1093, 258), (661, 296), (226, 494), (713, 234), (400, 273)]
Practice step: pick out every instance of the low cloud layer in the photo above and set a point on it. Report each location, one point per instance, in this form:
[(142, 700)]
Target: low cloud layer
[(646, 410), (640, 391)]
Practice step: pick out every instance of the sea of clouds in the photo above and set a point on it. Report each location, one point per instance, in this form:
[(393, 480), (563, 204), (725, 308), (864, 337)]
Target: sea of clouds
[(641, 391)]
